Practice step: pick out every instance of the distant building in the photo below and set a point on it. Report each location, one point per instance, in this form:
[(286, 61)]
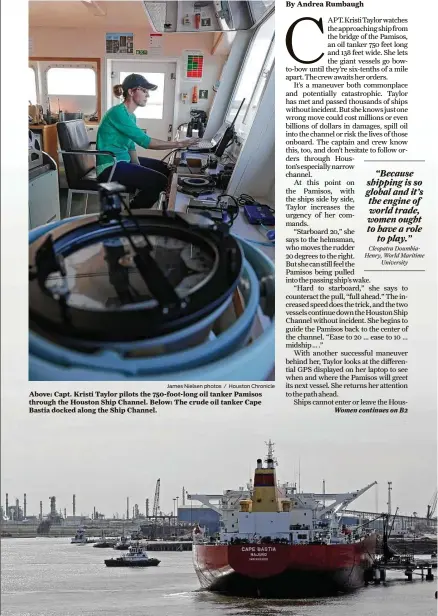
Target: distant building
[(14, 513), (200, 514)]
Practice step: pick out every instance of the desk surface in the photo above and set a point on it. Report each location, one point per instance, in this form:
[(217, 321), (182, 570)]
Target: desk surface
[(41, 126), (240, 227)]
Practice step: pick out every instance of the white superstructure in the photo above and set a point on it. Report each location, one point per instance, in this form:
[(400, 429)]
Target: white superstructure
[(278, 512)]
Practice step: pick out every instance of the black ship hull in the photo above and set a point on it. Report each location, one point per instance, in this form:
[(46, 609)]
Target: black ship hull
[(289, 584), (121, 562)]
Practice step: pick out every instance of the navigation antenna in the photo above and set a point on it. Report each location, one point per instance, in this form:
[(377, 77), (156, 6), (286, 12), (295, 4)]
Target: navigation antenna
[(270, 455)]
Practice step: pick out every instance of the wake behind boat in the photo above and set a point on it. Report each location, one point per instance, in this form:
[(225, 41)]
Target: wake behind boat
[(136, 557)]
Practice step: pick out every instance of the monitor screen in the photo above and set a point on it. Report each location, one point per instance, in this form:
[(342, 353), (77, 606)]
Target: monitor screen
[(218, 136)]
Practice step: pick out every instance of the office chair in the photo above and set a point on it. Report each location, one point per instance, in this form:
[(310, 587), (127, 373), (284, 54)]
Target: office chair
[(80, 164), (79, 160)]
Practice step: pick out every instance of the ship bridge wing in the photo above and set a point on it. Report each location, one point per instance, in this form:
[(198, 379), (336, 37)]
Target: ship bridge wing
[(227, 500)]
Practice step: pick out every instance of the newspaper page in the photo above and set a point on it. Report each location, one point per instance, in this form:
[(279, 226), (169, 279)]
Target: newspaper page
[(240, 414)]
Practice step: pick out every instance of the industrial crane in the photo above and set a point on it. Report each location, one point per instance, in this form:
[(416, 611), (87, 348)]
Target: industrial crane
[(156, 508), (431, 507), (155, 512)]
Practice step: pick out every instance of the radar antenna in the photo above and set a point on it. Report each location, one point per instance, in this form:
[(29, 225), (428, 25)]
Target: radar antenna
[(270, 456)]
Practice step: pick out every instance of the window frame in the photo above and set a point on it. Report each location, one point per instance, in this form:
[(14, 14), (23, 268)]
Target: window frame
[(243, 127), (57, 62), (34, 67), (260, 86)]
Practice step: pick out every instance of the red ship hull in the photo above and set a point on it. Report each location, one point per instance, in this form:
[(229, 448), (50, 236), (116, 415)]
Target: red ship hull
[(283, 571)]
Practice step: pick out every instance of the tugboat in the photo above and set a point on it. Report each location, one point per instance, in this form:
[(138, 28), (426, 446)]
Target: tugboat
[(104, 542), (80, 536), (136, 557), (122, 544)]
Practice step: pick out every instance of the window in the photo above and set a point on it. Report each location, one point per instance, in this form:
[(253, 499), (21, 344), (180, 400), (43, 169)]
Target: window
[(32, 86), (71, 81), (259, 7), (260, 86), (252, 79), (153, 109)]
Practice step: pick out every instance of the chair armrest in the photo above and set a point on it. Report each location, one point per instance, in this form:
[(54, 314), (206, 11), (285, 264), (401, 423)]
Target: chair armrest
[(93, 153), (89, 152)]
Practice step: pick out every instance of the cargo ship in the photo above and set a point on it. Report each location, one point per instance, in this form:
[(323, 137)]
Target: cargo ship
[(277, 542)]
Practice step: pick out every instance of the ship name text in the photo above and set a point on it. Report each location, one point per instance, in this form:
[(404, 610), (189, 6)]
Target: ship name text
[(259, 549)]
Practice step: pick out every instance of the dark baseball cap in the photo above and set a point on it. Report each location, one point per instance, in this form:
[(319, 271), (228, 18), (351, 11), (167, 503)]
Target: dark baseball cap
[(137, 81)]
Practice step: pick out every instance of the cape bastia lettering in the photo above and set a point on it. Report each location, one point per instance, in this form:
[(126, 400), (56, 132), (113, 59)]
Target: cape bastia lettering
[(259, 549)]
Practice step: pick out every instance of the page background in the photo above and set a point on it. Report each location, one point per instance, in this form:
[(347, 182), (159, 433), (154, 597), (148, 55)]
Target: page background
[(348, 452)]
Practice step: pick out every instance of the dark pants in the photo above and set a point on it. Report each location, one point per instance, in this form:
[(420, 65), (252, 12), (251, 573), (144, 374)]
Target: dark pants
[(150, 177)]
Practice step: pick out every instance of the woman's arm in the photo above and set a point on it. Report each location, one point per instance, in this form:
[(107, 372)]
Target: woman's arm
[(157, 144), (134, 157)]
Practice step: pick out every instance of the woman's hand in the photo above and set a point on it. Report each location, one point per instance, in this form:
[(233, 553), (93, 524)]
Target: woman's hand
[(186, 143)]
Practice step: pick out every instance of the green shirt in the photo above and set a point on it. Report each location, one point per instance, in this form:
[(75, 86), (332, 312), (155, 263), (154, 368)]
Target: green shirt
[(118, 133)]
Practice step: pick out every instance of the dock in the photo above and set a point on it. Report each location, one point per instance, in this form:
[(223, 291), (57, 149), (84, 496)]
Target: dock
[(423, 568), (168, 546)]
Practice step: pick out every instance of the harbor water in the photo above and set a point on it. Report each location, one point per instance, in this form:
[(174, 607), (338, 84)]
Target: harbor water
[(51, 577)]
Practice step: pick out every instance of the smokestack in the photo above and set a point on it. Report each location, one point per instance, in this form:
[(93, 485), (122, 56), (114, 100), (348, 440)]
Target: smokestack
[(127, 507), (41, 510), (65, 513), (24, 506), (7, 505), (259, 463), (389, 497), (183, 496), (17, 509), (74, 504), (94, 513), (147, 507)]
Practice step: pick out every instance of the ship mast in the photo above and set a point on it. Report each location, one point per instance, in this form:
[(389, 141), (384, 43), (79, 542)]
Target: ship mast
[(270, 455)]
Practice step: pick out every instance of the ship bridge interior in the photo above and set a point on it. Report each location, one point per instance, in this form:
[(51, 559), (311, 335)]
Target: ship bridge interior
[(202, 145)]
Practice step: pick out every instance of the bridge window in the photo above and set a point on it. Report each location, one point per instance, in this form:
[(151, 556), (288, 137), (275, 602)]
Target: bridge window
[(258, 8), (71, 87), (71, 80), (253, 77)]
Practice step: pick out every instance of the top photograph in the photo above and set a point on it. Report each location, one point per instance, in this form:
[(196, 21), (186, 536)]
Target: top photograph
[(151, 191)]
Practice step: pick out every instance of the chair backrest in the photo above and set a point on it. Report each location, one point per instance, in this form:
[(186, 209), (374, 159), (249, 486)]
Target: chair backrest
[(73, 135)]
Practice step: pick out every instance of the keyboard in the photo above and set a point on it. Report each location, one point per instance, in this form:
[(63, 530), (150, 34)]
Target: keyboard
[(201, 145)]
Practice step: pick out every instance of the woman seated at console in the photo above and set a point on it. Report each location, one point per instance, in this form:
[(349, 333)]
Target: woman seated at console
[(118, 133)]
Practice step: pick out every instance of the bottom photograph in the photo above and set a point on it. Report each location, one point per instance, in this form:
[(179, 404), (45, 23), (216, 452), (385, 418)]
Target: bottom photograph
[(263, 543)]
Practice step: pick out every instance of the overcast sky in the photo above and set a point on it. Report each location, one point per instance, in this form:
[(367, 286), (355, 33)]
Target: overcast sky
[(105, 459)]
